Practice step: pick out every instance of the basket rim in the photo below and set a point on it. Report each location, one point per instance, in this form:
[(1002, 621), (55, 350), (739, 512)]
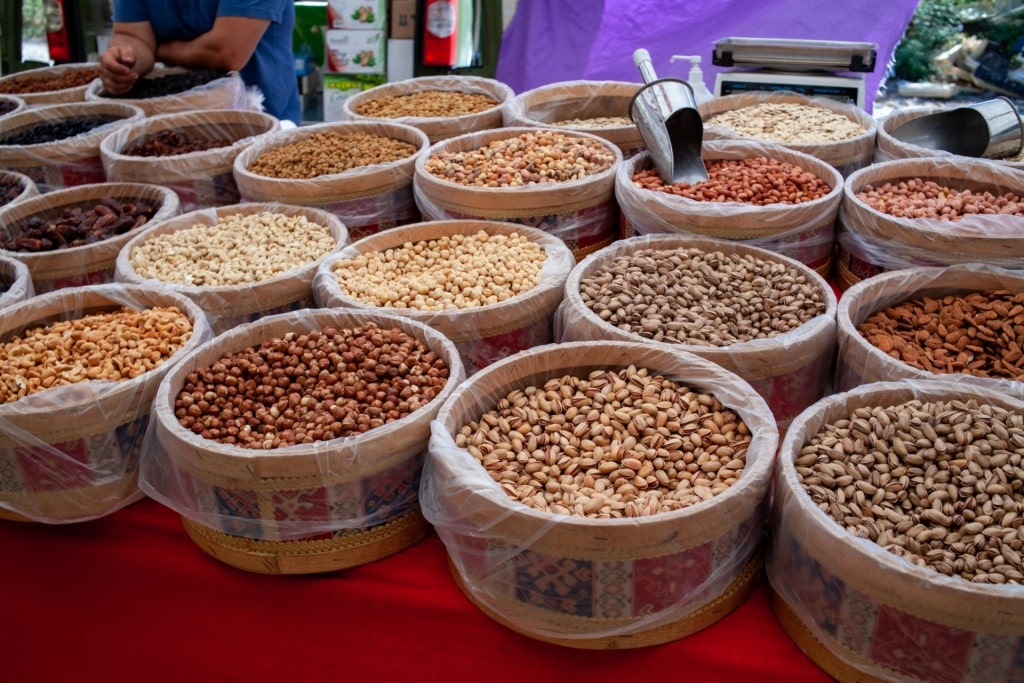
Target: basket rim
[(498, 89)]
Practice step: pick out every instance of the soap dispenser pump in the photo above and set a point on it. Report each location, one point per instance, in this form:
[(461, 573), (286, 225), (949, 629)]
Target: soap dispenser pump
[(696, 77)]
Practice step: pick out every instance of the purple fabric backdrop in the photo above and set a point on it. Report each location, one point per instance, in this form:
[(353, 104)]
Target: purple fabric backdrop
[(550, 40)]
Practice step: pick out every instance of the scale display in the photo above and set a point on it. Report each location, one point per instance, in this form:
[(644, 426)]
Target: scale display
[(842, 89)]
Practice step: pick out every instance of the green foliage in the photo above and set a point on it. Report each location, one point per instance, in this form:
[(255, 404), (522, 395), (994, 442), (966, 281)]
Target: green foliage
[(934, 27), (34, 19)]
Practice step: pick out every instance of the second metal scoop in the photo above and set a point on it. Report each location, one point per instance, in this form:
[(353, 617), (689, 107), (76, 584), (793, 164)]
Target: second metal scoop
[(665, 112), (990, 129)]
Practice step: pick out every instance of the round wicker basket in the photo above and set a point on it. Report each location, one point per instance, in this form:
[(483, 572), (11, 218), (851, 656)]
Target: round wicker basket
[(228, 92), (49, 75)]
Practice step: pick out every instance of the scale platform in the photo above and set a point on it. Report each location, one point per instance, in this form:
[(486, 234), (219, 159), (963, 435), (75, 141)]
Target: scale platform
[(816, 68)]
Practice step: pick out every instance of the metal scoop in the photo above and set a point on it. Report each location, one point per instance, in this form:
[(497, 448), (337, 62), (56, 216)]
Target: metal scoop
[(990, 129), (665, 112)]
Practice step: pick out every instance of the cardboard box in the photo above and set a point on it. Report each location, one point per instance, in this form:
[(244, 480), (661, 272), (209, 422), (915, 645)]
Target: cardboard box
[(308, 34), (357, 14), (356, 52), (340, 87), (403, 19), (401, 61)]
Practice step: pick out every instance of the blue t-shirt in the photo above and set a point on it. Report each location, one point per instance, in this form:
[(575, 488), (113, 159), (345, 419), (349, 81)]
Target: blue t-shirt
[(272, 66)]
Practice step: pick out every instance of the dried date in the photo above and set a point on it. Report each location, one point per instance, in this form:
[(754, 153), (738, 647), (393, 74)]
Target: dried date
[(171, 142), (9, 192), (76, 226), (51, 131)]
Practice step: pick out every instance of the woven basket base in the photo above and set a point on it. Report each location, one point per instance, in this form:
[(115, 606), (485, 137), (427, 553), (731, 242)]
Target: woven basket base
[(846, 278), (734, 595), (69, 505), (583, 252), (361, 546), (814, 648)]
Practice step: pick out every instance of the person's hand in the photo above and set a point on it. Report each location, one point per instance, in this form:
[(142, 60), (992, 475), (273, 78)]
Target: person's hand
[(116, 69)]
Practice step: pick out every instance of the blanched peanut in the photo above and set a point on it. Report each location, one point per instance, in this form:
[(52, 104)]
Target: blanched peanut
[(237, 249), (625, 443), (922, 198), (118, 345), (460, 271)]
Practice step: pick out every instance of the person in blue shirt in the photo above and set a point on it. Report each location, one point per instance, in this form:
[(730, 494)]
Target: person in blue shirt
[(253, 37)]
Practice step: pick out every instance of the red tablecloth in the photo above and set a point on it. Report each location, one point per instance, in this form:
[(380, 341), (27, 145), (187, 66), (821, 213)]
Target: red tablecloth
[(130, 598)]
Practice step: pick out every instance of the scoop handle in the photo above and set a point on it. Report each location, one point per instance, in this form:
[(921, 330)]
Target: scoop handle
[(642, 59)]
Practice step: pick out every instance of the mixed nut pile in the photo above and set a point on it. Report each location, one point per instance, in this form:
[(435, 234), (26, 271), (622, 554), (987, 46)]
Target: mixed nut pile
[(613, 443), (691, 296), (236, 250), (759, 181), (980, 333), (308, 387), (450, 272), (940, 484), (117, 345), (328, 152)]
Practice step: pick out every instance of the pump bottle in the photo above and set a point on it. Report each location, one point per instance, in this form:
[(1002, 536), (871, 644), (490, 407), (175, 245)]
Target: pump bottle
[(696, 78)]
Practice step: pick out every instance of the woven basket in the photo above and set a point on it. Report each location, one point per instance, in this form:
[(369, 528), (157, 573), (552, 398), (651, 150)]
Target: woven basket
[(28, 186), (12, 100), (437, 128), (201, 179), (228, 92), (859, 362), (864, 614), (304, 508), (367, 199), (482, 334), (15, 282), (227, 306), (587, 582), (68, 162), (805, 232), (791, 371), (92, 263), (71, 453), (994, 239), (845, 155), (547, 105), (582, 213), (58, 96)]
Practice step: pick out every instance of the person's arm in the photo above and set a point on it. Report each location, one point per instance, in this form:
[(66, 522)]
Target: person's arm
[(130, 54), (228, 45)]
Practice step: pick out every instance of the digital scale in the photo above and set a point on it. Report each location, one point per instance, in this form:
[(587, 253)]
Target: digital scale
[(808, 67)]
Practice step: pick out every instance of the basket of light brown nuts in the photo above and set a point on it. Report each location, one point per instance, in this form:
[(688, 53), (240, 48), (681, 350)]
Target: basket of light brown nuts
[(897, 533), (562, 182), (602, 495), (963, 322), (79, 368), (757, 193), (192, 152), (361, 172), (599, 107), (490, 287), (839, 133), (238, 262), (768, 318), (294, 444), (440, 106), (72, 237), (930, 212)]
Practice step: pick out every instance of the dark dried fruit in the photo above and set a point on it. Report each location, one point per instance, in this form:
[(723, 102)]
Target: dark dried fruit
[(9, 192), (76, 226), (171, 84), (6, 107), (170, 142), (73, 78), (52, 131)]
